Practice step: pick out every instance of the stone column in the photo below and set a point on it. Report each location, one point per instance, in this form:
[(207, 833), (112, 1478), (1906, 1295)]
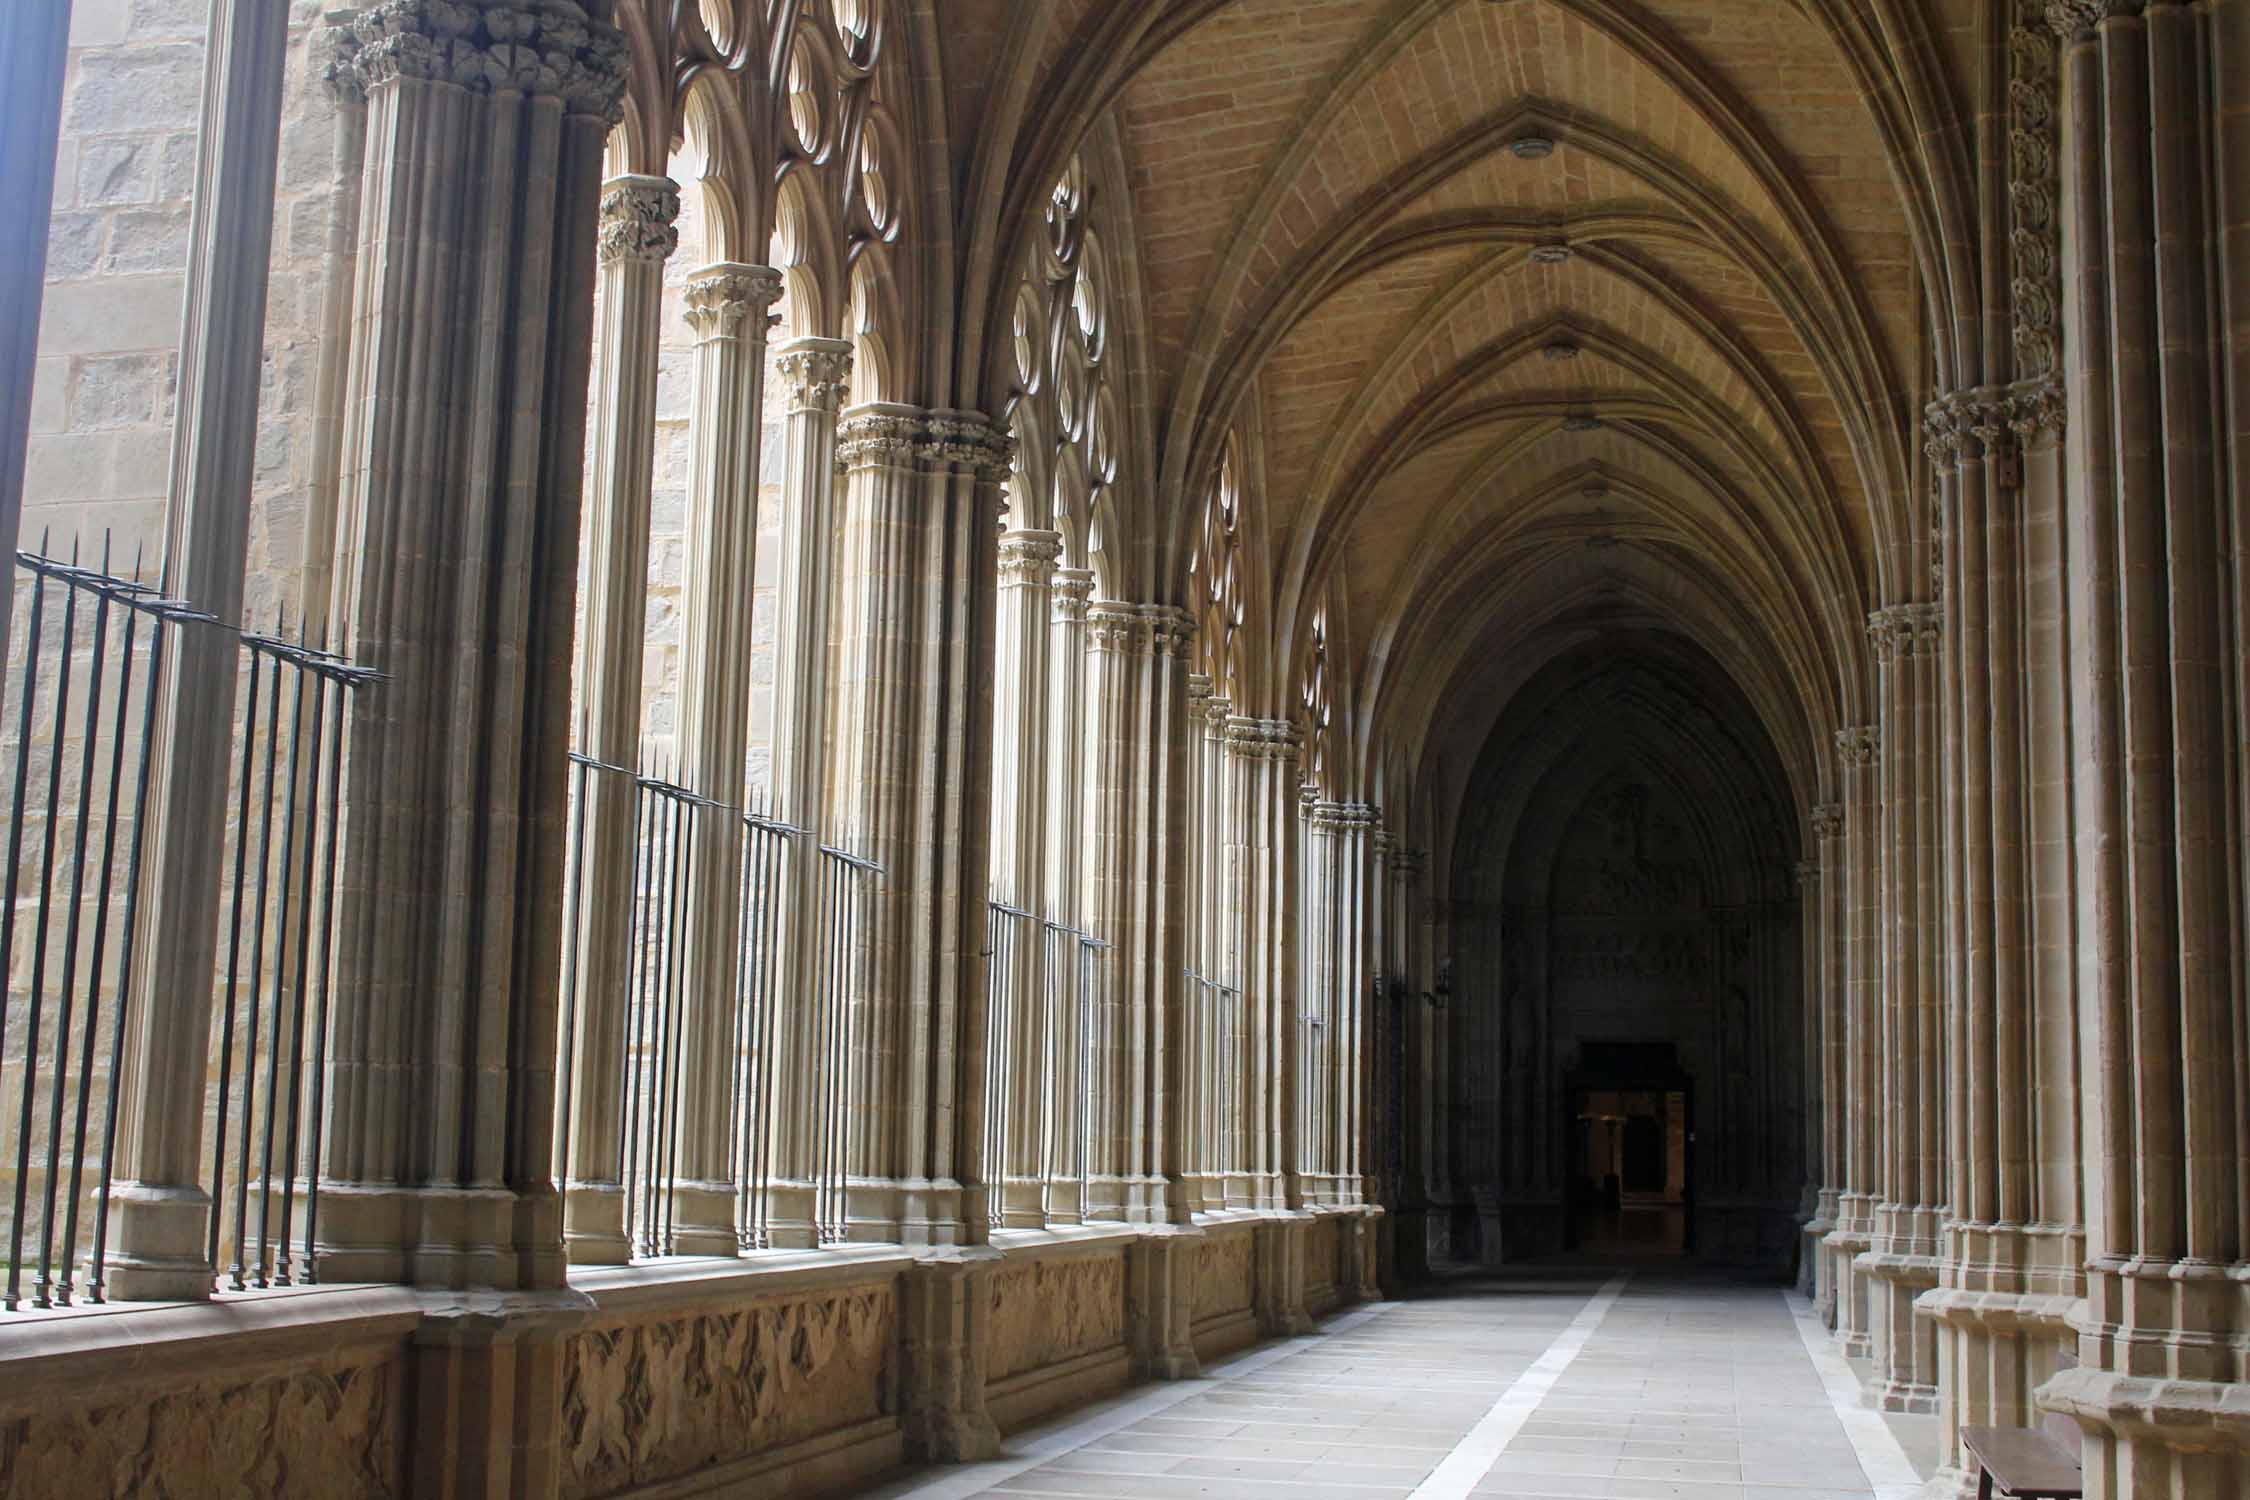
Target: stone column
[(1856, 750), (34, 54), (157, 1248), (727, 306), (1019, 852), (1810, 1228), (2154, 145), (1826, 981), (458, 535), (1902, 1261), (1065, 792), (1246, 747), (816, 373), (637, 237), (889, 513)]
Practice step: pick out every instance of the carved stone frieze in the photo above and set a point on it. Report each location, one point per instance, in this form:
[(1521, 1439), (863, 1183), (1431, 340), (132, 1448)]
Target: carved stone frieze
[(968, 440), (340, 1426), (546, 51), (1047, 1311), (640, 220), (651, 1401)]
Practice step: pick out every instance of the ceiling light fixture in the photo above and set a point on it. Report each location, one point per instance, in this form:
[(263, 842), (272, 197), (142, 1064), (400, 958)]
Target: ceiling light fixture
[(1549, 255), (1580, 423), (1559, 349), (1532, 147)]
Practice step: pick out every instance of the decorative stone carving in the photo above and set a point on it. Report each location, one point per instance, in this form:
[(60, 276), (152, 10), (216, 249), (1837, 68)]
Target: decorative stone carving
[(2034, 244), (969, 440), (2036, 409), (1808, 873), (646, 1402), (1225, 1276), (816, 375), (639, 219), (1028, 558), (2075, 20), (335, 1428), (719, 298), (1857, 746), (1072, 588), (877, 439), (1828, 820), (1906, 630), (1047, 1311), (501, 48), (1138, 629)]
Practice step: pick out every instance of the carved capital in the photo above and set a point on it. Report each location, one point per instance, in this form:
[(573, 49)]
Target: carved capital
[(1808, 873), (1858, 745), (816, 373), (2036, 410), (1028, 558), (878, 437), (2076, 20), (1217, 709), (719, 298), (1151, 630), (1906, 630), (969, 440), (1073, 587), (542, 51), (1828, 820), (639, 220)]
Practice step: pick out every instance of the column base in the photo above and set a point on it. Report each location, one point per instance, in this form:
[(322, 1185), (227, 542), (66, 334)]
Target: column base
[(1900, 1267), (434, 1237), (2001, 1312), (157, 1245), (1280, 1248), (792, 1221), (2149, 1438), (594, 1225), (704, 1219)]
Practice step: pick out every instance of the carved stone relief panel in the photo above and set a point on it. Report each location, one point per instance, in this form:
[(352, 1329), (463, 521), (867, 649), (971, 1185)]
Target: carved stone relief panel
[(334, 1430), (1225, 1276), (658, 1399), (1047, 1311)]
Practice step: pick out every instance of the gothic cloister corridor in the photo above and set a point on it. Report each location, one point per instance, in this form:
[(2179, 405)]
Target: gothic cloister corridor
[(783, 749), (1549, 1383)]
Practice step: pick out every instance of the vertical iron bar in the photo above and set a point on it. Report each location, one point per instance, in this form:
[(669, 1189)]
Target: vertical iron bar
[(333, 818), (101, 933), (636, 1016), (298, 770), (234, 976), (574, 918), (88, 759), (149, 703), (8, 915), (39, 1294), (258, 1271), (684, 818)]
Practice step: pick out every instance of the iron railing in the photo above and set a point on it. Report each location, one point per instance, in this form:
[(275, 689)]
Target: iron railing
[(280, 961), (85, 679), (67, 1008), (666, 822), (1059, 1089), (1214, 1018)]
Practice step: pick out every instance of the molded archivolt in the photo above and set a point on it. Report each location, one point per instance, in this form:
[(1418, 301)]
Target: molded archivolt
[(1623, 874)]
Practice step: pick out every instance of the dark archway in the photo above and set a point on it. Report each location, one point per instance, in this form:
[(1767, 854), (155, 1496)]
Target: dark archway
[(1627, 906)]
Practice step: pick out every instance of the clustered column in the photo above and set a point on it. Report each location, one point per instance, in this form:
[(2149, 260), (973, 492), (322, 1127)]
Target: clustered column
[(2154, 145), (1861, 1028)]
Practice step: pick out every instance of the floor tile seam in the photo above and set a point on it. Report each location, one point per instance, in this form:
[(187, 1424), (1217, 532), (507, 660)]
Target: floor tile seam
[(1068, 1435), (1890, 1475), (1470, 1462)]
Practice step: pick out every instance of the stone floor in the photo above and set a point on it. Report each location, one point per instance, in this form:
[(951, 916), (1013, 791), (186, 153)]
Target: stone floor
[(1553, 1384)]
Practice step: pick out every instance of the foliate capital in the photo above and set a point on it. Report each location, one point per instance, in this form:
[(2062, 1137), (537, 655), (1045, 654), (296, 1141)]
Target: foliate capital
[(1808, 873), (1144, 630), (720, 297), (1857, 746), (1906, 630), (2075, 20), (1828, 820), (878, 437), (1028, 558), (815, 372), (546, 51), (640, 220), (969, 440), (1073, 587)]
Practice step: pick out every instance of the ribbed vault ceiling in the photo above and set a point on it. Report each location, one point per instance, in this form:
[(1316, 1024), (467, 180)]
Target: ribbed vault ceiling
[(1552, 318)]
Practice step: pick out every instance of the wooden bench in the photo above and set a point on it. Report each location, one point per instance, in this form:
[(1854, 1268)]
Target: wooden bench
[(2027, 1463)]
